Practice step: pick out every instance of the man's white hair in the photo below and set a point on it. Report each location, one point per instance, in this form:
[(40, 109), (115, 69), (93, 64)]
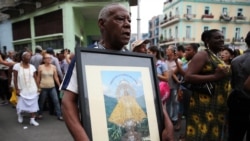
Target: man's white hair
[(105, 11)]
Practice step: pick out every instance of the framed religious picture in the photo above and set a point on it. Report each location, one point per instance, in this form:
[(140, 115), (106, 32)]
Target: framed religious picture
[(119, 95)]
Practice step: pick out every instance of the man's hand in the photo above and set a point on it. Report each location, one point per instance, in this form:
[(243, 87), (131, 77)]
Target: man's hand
[(168, 132)]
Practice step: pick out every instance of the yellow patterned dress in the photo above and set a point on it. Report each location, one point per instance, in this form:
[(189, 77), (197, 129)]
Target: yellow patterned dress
[(206, 119)]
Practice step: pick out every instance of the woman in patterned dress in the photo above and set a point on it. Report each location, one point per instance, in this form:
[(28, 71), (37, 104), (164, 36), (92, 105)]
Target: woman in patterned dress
[(206, 115)]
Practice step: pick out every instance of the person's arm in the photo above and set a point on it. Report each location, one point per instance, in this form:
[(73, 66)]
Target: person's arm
[(67, 57), (179, 68), (164, 76), (15, 82), (5, 62), (168, 131), (175, 78), (35, 78), (196, 65), (165, 72), (71, 116), (56, 77), (247, 85), (176, 71), (58, 68), (38, 78)]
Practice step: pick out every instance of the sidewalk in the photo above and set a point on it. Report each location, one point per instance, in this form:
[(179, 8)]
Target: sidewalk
[(50, 129)]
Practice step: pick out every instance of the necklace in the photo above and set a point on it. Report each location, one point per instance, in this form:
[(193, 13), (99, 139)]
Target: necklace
[(26, 78)]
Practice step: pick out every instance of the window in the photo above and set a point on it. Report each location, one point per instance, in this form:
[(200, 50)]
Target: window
[(237, 34), (56, 43), (224, 11), (150, 24), (240, 12), (176, 11), (176, 32), (189, 10), (170, 33), (156, 31), (157, 22), (156, 41), (205, 28), (170, 14), (188, 32), (206, 12), (223, 30), (165, 34)]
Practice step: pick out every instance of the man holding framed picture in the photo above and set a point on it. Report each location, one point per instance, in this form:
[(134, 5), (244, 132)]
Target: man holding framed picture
[(114, 23)]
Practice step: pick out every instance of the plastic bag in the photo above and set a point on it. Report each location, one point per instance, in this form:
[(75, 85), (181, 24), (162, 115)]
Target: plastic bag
[(13, 98), (164, 91)]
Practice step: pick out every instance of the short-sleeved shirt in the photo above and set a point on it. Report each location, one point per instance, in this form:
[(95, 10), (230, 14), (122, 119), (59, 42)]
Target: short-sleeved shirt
[(161, 67), (240, 72), (36, 60), (26, 81), (172, 66), (70, 79)]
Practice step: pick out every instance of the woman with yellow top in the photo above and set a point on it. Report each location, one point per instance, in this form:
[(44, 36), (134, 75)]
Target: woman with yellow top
[(206, 115)]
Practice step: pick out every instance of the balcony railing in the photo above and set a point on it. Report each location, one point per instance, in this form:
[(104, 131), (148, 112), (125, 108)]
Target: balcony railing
[(7, 3), (239, 39), (170, 21), (167, 40), (227, 40), (188, 39), (189, 16), (208, 16), (225, 18), (240, 17), (8, 7), (26, 5)]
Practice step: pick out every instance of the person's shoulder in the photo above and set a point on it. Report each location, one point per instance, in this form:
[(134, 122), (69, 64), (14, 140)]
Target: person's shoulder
[(94, 45), (201, 54), (238, 58), (32, 66), (53, 66), (16, 66)]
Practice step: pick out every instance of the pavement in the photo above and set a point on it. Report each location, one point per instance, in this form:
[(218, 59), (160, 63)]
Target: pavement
[(50, 128)]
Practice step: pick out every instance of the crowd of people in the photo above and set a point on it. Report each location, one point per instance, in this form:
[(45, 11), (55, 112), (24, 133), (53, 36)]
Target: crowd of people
[(209, 87), (34, 79), (201, 84)]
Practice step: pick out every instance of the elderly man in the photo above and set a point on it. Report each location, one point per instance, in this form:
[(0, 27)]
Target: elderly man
[(140, 46), (114, 23), (37, 58)]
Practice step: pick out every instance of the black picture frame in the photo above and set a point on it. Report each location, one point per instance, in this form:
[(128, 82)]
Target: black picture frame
[(112, 86)]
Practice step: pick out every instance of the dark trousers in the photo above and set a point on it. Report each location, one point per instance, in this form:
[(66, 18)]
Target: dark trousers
[(238, 117), (4, 90)]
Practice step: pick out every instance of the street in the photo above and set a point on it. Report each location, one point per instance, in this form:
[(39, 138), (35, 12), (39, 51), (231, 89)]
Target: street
[(50, 129)]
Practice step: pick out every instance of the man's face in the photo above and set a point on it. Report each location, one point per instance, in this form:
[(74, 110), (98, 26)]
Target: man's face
[(141, 48), (170, 50), (116, 28)]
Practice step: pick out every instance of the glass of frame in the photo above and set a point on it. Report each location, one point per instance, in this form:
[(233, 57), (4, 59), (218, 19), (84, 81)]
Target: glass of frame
[(119, 95)]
